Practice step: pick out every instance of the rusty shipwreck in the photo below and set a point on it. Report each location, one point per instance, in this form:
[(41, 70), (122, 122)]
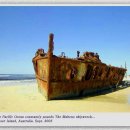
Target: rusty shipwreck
[(62, 77)]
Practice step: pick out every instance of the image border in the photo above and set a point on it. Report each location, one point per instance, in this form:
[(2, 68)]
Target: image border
[(65, 3)]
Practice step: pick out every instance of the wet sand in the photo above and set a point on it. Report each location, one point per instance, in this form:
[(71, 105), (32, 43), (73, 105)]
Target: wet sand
[(28, 99)]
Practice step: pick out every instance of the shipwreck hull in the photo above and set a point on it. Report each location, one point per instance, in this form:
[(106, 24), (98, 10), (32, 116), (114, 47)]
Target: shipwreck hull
[(66, 90), (63, 77)]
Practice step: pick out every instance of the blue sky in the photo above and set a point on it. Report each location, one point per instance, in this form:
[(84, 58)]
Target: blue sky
[(101, 29)]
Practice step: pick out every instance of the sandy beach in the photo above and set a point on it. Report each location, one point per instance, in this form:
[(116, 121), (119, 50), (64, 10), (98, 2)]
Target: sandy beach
[(28, 99)]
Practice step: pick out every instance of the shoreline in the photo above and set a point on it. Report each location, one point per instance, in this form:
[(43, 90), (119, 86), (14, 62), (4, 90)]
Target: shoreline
[(28, 99)]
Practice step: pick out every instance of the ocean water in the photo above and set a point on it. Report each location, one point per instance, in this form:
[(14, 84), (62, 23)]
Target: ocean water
[(17, 79)]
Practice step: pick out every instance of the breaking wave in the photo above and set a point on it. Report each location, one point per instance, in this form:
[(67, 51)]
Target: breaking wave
[(17, 79)]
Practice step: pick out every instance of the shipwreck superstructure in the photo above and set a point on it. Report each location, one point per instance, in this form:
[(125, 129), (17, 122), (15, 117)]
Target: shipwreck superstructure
[(61, 77)]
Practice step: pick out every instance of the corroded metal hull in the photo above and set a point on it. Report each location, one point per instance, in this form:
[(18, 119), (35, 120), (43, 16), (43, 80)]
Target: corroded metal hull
[(61, 77)]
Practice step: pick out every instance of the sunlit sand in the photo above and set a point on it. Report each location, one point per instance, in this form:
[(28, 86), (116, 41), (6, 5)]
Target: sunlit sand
[(28, 99)]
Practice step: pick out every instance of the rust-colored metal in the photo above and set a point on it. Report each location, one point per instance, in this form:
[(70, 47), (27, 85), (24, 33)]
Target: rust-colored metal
[(61, 77), (50, 54)]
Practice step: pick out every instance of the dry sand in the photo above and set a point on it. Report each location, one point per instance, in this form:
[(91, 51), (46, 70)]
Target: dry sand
[(28, 99)]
